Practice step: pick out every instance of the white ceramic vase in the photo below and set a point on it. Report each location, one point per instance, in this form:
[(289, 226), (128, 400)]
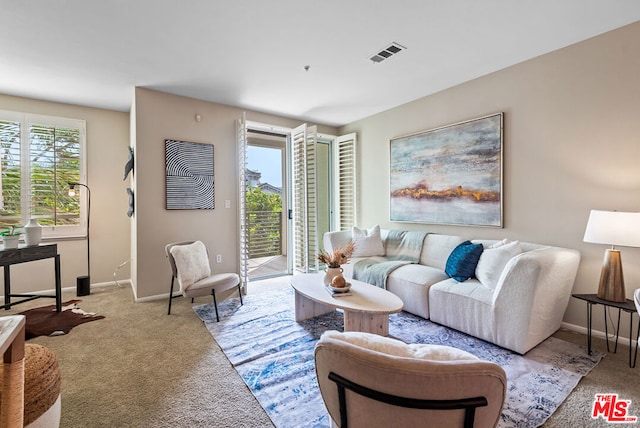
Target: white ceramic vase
[(330, 273), (32, 233)]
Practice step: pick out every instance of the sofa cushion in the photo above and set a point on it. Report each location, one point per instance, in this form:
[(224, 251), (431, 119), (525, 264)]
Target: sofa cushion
[(493, 260), (436, 249), (469, 309), (411, 284), (462, 262), (367, 242), (417, 274)]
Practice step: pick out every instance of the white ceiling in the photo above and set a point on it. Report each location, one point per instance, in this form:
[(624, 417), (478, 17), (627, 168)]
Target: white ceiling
[(252, 53)]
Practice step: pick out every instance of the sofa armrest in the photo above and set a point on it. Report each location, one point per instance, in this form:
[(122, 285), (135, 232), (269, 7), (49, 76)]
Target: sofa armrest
[(338, 238), (533, 293)]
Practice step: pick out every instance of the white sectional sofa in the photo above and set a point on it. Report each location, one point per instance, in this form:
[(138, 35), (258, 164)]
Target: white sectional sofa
[(522, 301)]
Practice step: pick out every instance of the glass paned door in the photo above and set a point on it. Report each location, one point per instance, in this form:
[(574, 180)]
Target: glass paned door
[(266, 209)]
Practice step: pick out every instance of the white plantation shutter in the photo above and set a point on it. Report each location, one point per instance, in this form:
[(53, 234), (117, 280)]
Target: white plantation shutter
[(39, 156), (54, 156), (312, 198), (299, 199), (10, 140), (345, 181), (306, 239), (243, 238), (305, 198)]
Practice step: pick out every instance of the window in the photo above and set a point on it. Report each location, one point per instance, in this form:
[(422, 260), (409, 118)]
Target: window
[(40, 156)]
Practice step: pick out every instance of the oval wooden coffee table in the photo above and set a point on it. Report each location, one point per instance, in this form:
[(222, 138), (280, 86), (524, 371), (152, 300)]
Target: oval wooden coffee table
[(367, 309)]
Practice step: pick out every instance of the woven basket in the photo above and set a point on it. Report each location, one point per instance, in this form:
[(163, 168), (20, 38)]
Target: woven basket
[(41, 381)]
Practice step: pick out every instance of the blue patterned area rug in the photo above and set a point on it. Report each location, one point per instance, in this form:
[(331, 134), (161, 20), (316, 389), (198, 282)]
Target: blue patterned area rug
[(274, 356)]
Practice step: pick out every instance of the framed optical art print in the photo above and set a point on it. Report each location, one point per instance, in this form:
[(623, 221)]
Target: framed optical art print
[(189, 175), (449, 175)]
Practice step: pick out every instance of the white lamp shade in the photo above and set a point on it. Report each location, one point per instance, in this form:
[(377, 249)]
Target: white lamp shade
[(613, 228)]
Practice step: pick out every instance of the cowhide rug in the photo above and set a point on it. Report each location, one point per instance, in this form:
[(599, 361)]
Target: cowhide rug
[(45, 321)]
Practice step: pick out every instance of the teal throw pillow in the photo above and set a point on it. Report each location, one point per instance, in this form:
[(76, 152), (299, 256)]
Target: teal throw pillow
[(462, 262)]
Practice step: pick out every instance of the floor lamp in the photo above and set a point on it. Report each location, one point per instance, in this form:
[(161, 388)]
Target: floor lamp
[(83, 285), (613, 228)]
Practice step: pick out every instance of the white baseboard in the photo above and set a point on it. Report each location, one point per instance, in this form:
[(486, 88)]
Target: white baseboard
[(597, 333), (50, 292), (137, 299), (164, 296), (580, 329)]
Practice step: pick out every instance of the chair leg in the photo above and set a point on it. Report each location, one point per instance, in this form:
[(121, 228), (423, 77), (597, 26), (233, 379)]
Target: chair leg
[(170, 295), (240, 294), (215, 304)]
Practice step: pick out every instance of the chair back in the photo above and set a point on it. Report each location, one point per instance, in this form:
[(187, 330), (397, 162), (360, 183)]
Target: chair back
[(636, 299), (409, 386), (172, 261)]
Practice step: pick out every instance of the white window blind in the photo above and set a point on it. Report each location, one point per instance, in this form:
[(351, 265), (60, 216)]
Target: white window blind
[(10, 203), (243, 247), (346, 181), (311, 162), (40, 155), (299, 178)]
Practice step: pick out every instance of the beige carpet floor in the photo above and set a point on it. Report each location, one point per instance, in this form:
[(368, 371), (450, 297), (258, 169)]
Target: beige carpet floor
[(139, 367)]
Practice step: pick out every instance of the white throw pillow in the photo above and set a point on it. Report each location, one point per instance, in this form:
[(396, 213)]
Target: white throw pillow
[(499, 243), (389, 346), (493, 260), (192, 263), (368, 242)]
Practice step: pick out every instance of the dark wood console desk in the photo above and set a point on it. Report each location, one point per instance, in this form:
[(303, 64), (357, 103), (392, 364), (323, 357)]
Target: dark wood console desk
[(23, 254)]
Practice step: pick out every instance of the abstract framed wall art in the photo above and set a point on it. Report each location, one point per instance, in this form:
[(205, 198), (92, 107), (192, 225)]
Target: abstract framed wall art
[(189, 175), (449, 175)]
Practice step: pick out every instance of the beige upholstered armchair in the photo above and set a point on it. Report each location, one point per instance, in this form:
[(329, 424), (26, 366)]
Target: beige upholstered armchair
[(373, 381), (189, 262)]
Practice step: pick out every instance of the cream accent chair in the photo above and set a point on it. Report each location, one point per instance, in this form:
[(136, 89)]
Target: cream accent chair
[(189, 262), (369, 381)]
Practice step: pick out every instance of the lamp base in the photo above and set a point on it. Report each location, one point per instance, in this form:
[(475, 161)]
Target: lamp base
[(83, 286), (611, 285)]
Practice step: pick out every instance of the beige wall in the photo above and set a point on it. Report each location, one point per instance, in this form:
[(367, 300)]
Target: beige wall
[(107, 141), (571, 144), (160, 116)]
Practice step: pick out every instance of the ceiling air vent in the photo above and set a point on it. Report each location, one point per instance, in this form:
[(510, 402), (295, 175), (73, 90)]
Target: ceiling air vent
[(387, 52)]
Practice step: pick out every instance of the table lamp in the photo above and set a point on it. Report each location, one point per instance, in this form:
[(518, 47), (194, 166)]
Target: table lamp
[(613, 228)]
